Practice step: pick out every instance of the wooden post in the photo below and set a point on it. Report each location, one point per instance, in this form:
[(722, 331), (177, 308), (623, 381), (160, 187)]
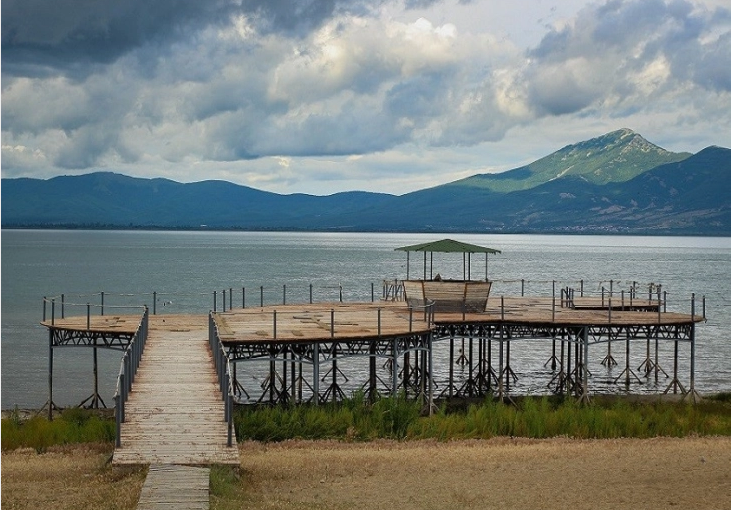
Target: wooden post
[(691, 389), (500, 391), (316, 372), (372, 392), (451, 363), (585, 382), (122, 396), (95, 398), (118, 421), (50, 374), (394, 365), (379, 321)]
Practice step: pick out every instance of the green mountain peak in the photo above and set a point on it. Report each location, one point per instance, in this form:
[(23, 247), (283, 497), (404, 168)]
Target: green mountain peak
[(614, 157)]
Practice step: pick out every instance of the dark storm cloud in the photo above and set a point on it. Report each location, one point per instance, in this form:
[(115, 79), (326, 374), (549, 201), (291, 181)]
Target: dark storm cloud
[(40, 36), (68, 34)]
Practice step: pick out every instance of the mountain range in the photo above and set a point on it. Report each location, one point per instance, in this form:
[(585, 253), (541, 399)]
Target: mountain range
[(618, 183)]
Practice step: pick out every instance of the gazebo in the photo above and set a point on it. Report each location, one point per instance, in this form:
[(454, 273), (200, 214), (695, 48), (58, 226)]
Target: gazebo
[(448, 295), (447, 246)]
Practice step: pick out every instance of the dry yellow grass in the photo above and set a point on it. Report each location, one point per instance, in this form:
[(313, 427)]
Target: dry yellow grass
[(498, 473), (75, 478)]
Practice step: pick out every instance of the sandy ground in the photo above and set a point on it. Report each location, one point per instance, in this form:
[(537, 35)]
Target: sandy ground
[(691, 473)]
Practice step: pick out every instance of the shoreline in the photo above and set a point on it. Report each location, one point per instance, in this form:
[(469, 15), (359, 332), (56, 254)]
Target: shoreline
[(502, 472), (108, 412)]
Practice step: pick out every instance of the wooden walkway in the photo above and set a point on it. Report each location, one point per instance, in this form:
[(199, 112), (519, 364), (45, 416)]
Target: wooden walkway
[(175, 414), (178, 487)]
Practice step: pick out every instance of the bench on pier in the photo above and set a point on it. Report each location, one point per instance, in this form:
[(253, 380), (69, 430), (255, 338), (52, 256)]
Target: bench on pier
[(448, 295)]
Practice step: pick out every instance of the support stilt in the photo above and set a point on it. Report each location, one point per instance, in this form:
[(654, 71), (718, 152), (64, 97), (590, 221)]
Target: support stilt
[(627, 372)]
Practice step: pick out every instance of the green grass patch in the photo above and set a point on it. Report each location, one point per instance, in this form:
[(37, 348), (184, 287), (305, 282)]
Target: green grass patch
[(532, 417), (353, 419), (74, 425)]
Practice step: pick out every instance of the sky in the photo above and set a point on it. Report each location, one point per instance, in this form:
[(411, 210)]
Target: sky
[(324, 96)]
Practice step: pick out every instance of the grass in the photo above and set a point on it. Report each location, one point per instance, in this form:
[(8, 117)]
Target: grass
[(74, 425), (353, 421), (68, 477), (539, 417), (356, 419), (227, 488)]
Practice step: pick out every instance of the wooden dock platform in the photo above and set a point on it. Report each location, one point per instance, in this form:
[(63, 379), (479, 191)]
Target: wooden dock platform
[(175, 412), (298, 353), (586, 311), (319, 322)]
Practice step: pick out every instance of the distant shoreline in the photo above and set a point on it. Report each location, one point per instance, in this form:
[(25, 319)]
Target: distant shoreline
[(345, 230)]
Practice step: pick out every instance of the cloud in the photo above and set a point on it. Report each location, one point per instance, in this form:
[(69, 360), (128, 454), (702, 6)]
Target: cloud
[(624, 52), (232, 88), (41, 37)]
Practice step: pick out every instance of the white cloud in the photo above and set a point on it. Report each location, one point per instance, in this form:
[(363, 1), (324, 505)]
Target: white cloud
[(380, 98)]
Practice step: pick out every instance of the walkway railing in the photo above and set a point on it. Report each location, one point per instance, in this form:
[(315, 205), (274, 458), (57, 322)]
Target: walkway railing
[(223, 371), (127, 371)]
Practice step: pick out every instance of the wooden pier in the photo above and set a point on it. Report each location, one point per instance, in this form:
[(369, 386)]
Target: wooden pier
[(181, 373), (176, 399), (175, 412), (300, 352)]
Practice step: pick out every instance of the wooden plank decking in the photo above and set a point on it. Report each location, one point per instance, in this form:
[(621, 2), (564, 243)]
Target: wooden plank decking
[(175, 414), (178, 487), (314, 322), (542, 310)]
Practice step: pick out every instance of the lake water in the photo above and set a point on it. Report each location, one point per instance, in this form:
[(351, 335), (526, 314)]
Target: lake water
[(185, 268)]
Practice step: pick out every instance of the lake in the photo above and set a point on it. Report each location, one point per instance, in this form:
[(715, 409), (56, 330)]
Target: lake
[(184, 269)]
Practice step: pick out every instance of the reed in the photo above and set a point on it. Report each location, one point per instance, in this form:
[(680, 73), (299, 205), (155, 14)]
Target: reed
[(357, 419), (532, 417), (74, 425)]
